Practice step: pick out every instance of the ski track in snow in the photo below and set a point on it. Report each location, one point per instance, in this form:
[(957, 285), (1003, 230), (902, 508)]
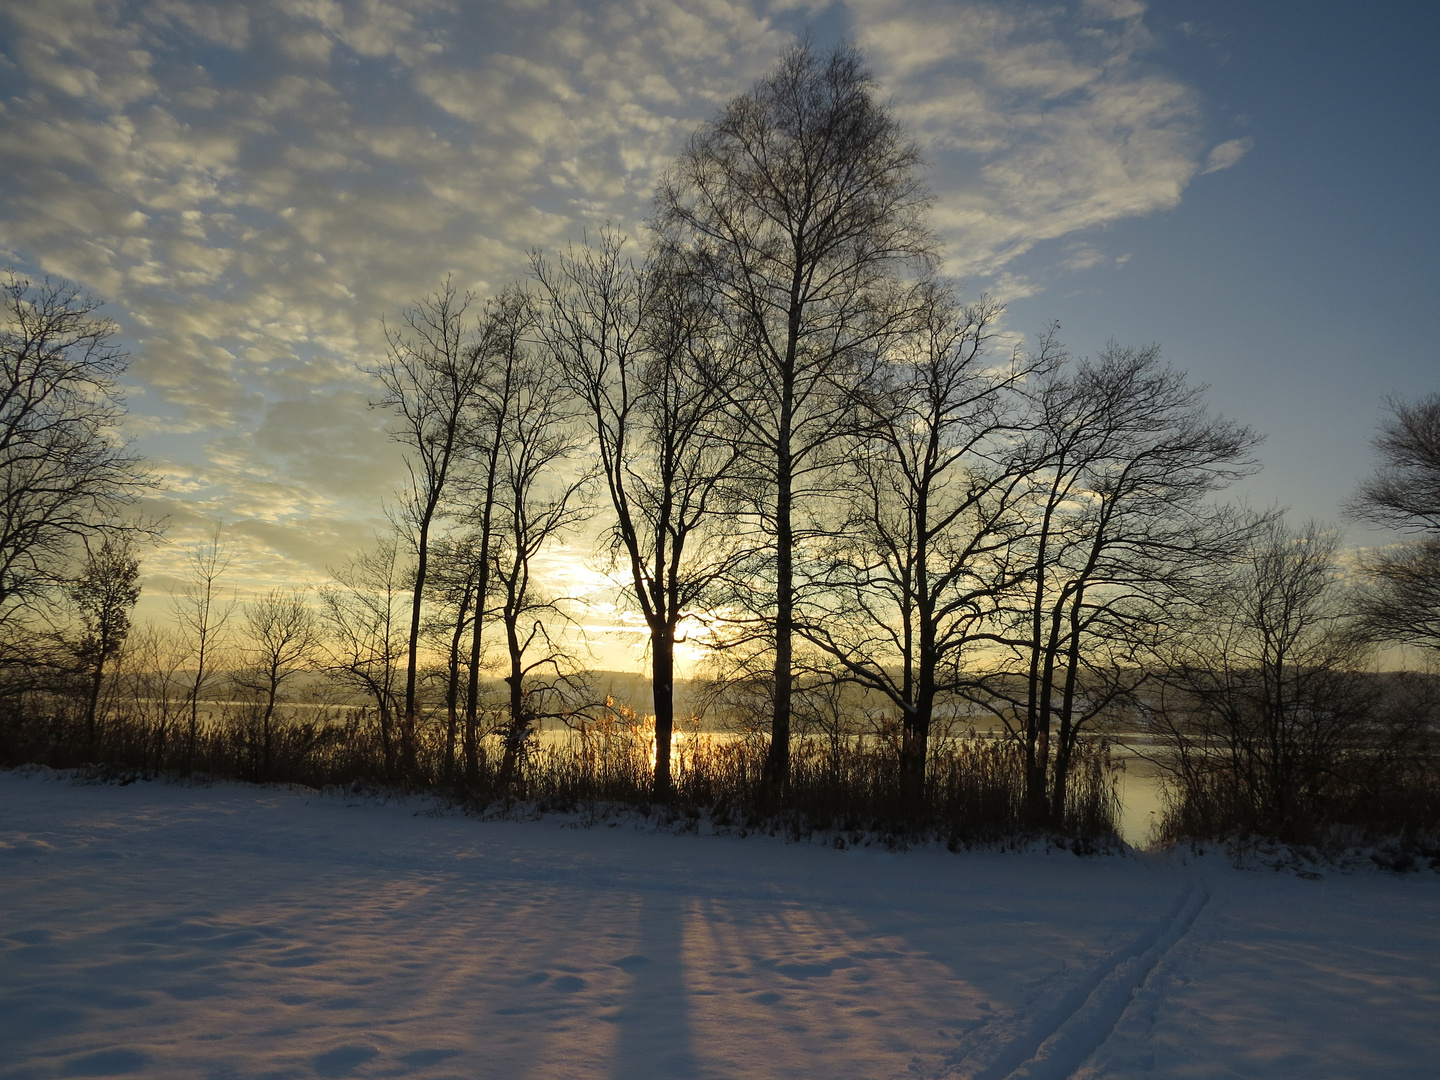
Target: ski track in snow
[(1067, 1035), (234, 932)]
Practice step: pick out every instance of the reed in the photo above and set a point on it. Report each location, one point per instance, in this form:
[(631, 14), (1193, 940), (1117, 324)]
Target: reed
[(841, 786)]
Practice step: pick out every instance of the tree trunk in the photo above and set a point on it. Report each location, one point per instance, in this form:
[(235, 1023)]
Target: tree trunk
[(265, 731), (92, 705), (1034, 768), (482, 592), (1037, 783), (777, 761), (409, 722), (387, 738), (915, 738), (472, 695), (452, 688), (914, 752), (193, 733), (662, 675), (1064, 750), (518, 729)]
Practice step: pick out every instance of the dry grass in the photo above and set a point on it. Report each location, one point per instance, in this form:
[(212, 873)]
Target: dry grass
[(850, 785)]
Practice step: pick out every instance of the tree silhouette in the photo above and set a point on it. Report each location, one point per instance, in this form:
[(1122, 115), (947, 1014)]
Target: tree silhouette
[(1260, 703), (365, 643), (1123, 461), (66, 478), (429, 375), (540, 495), (1401, 601), (282, 638), (920, 560), (800, 205), (203, 612), (104, 595), (637, 346)]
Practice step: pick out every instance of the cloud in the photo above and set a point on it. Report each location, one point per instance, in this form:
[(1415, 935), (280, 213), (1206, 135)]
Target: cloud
[(1227, 153), (253, 185), (1040, 123), (1081, 256)]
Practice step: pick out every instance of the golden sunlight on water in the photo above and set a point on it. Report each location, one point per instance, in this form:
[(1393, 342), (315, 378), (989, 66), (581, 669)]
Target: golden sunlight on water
[(1141, 801)]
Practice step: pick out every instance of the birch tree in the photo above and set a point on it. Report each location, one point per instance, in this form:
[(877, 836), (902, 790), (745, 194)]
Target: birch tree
[(919, 566), (637, 345), (1123, 528), (800, 204), (429, 377)]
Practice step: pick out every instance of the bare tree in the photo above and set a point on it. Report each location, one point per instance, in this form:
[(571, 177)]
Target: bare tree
[(1125, 461), (454, 590), (800, 204), (916, 570), (430, 375), (362, 611), (152, 686), (637, 344), (540, 495), (104, 596), (504, 351), (460, 583), (203, 613), (1401, 601), (65, 475), (282, 638), (1259, 699)]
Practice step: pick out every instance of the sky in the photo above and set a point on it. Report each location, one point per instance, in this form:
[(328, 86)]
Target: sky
[(252, 187)]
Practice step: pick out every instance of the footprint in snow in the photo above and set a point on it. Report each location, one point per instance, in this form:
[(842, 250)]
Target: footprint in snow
[(343, 1060)]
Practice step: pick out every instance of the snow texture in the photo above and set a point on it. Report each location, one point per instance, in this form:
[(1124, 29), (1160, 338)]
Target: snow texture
[(229, 931)]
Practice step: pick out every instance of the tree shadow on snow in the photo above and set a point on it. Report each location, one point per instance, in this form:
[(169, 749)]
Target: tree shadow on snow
[(655, 1041)]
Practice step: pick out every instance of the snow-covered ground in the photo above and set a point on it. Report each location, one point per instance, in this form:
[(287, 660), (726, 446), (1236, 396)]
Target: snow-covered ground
[(170, 931)]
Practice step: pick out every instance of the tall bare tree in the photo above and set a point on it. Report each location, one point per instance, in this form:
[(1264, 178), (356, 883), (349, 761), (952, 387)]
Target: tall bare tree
[(429, 376), (1401, 600), (1125, 461), (540, 495), (504, 344), (504, 337), (65, 475), (918, 567), (637, 345), (801, 205)]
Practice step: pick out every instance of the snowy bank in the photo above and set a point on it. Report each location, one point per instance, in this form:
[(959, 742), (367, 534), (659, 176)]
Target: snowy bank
[(169, 931)]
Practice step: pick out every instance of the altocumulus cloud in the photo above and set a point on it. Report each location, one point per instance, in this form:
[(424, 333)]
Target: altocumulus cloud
[(253, 185)]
